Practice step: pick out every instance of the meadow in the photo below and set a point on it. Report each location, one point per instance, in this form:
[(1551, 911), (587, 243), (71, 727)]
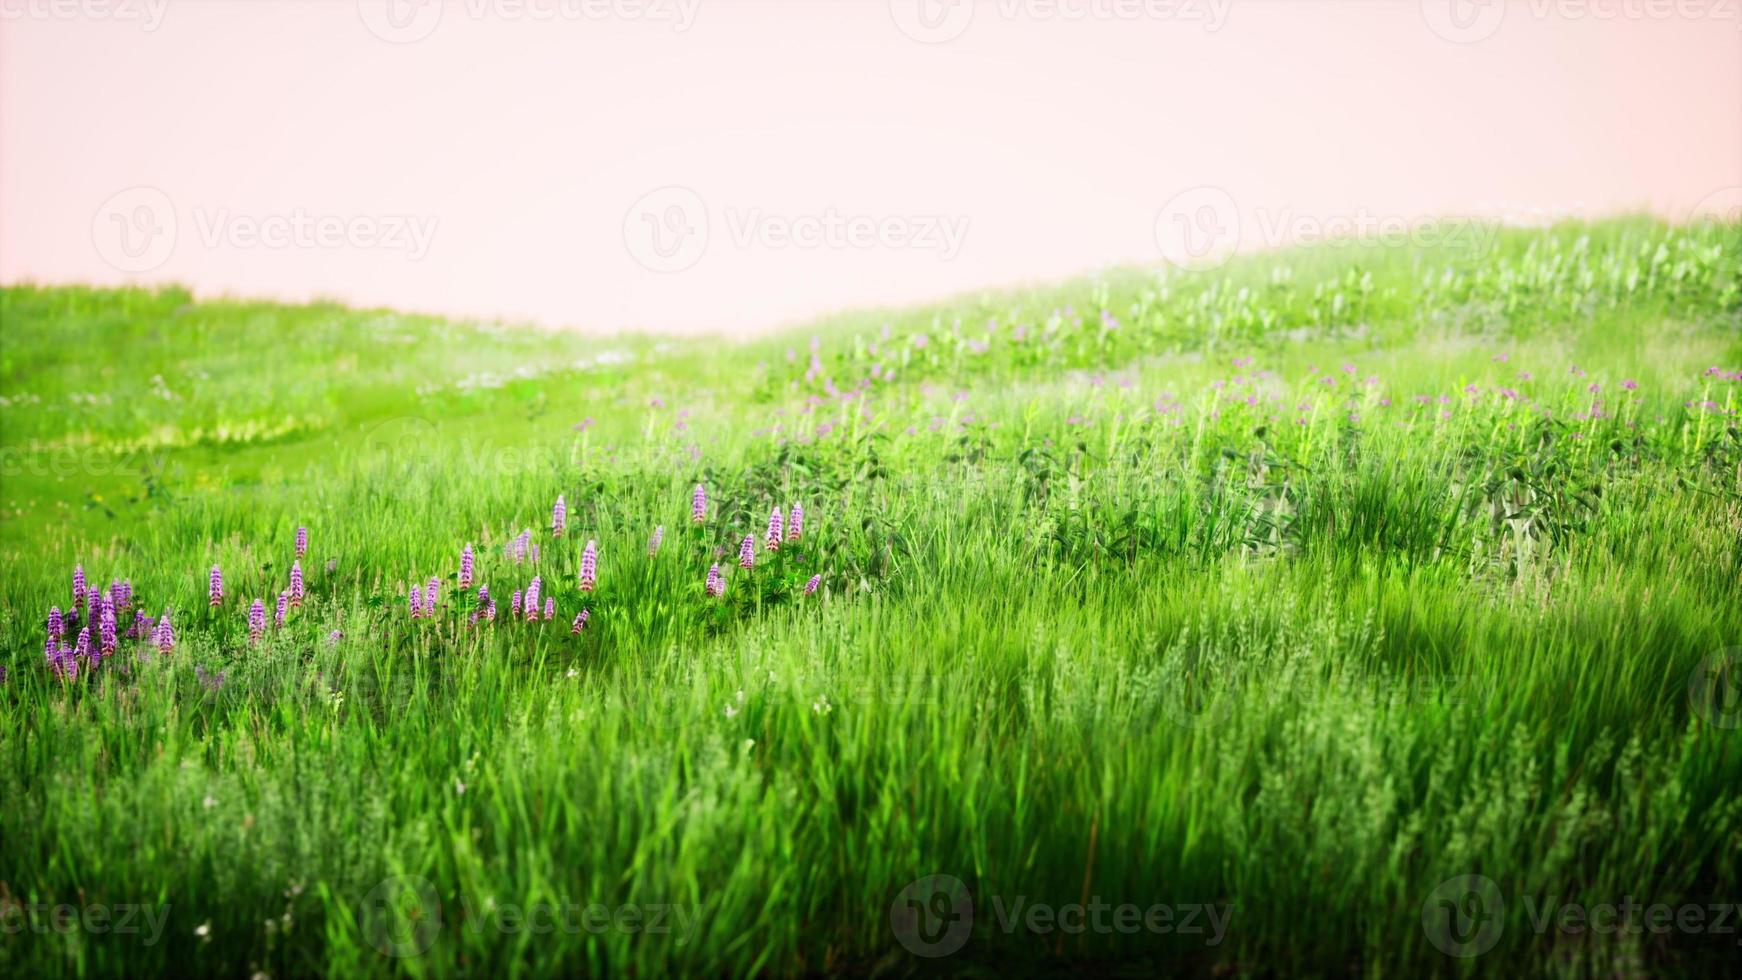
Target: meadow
[(1356, 610)]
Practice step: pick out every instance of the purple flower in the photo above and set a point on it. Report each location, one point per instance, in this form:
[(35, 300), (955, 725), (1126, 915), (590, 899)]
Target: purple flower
[(559, 517), (78, 585), (810, 588), (653, 542), (216, 590), (747, 553), (431, 593), (590, 566), (296, 588), (211, 682), (795, 523), (514, 605), (716, 586), (57, 626), (549, 608), (532, 592), (256, 621), (283, 608), (517, 547), (483, 595), (699, 504), (165, 634), (334, 637), (772, 541), (106, 633), (580, 622), (82, 646), (414, 599), (301, 542), (1630, 385), (466, 560)]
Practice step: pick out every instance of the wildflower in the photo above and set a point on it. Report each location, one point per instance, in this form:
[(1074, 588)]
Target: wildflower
[(431, 592), (514, 605), (120, 594), (56, 624), (517, 547), (716, 582), (334, 637), (559, 517), (216, 590), (278, 614), (795, 523), (699, 504), (653, 542), (810, 588), (772, 541), (483, 595), (78, 585), (532, 592), (296, 588), (580, 622), (106, 634), (1630, 385), (590, 566), (414, 599), (466, 559), (82, 646), (490, 610), (301, 542), (165, 634), (549, 608), (747, 553), (256, 621)]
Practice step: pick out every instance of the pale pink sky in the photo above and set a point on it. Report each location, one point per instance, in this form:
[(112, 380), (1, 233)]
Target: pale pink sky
[(506, 158)]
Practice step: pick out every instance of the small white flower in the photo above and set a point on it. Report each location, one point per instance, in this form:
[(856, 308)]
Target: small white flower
[(209, 801), (459, 788), (204, 930), (731, 711)]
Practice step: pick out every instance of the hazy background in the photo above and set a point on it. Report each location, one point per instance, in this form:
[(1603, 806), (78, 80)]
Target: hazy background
[(607, 164)]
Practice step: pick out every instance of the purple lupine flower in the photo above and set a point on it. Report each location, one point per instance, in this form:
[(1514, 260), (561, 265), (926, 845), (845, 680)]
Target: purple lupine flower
[(82, 646), (549, 608), (772, 541), (334, 637), (165, 634), (211, 682), (302, 542), (517, 547), (78, 585), (414, 599), (216, 590), (514, 605), (795, 522), (535, 554), (490, 610), (580, 622), (1630, 385), (532, 591), (106, 628), (747, 553), (466, 559), (296, 588), (716, 582), (559, 517), (143, 626), (432, 591), (283, 608), (653, 542), (699, 504), (256, 621), (483, 595), (590, 566), (57, 626), (810, 588), (65, 665)]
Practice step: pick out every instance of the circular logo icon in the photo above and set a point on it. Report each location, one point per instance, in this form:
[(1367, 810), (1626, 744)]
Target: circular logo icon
[(932, 21), (134, 230), (1715, 688), (1464, 21), (1464, 916), (404, 441), (401, 917), (400, 21), (667, 229), (1721, 207), (1198, 228), (933, 916)]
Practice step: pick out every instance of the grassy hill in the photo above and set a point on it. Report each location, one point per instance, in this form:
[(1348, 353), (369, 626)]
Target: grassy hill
[(1362, 608)]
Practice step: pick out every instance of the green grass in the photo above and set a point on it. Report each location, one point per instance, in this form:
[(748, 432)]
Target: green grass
[(1261, 596)]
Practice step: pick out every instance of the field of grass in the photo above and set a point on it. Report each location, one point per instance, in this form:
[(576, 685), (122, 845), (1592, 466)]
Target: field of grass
[(1347, 611)]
